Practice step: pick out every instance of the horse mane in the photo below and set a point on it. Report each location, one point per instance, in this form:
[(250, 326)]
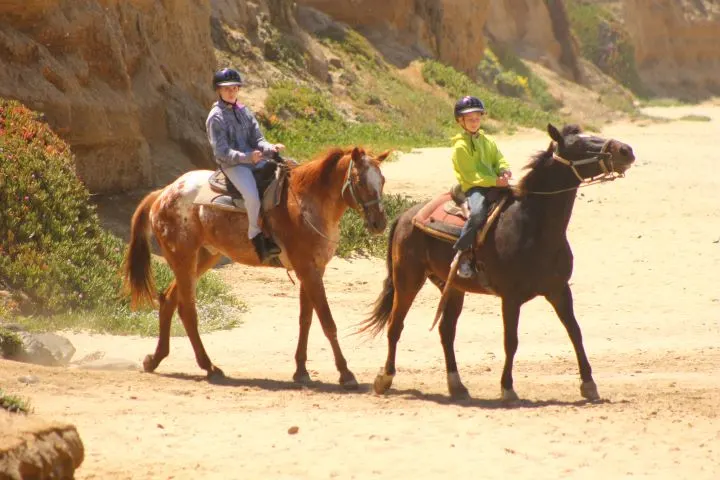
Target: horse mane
[(322, 166), (542, 158)]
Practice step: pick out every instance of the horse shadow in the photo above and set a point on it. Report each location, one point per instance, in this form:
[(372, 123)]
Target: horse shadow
[(269, 384), (273, 385), (488, 403)]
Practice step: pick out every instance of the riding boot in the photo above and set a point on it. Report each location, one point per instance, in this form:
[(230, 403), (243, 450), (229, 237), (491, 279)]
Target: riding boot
[(258, 242), (272, 248)]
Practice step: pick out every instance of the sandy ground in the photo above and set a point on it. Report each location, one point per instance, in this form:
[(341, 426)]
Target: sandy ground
[(647, 270)]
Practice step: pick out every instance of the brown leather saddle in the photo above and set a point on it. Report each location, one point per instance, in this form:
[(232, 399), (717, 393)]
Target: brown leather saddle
[(220, 193), (444, 216)]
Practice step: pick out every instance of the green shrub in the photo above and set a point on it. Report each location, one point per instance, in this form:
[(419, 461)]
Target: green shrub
[(507, 110), (354, 237), (289, 100), (13, 403), (306, 121), (605, 42), (502, 58), (52, 247), (10, 343)]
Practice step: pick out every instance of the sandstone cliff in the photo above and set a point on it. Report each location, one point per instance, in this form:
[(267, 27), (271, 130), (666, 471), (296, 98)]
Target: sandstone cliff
[(677, 44), (123, 81), (451, 30), (126, 83)]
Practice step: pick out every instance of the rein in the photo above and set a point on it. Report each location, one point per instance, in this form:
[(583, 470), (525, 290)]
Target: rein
[(608, 174), (347, 185)]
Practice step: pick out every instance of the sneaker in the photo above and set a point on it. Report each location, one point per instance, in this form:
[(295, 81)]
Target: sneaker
[(466, 269)]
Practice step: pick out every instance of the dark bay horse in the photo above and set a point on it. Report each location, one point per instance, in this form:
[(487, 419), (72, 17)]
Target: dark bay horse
[(305, 224), (525, 254)]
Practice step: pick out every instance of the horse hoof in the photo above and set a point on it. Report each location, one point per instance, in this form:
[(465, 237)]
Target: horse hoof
[(348, 382), (589, 391), (456, 388), (149, 364), (302, 378), (382, 383), (509, 395), (215, 376)]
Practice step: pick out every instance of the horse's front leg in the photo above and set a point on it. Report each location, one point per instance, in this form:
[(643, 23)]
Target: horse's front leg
[(448, 326), (511, 317), (562, 302), (312, 284), (306, 310)]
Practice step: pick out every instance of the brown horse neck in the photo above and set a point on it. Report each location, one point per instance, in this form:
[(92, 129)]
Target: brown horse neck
[(321, 183), (551, 191)]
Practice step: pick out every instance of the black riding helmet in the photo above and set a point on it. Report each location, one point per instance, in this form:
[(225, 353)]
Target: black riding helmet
[(227, 77), (468, 104)]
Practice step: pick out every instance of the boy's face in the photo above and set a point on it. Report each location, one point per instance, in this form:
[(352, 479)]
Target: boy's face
[(471, 121), (229, 93)]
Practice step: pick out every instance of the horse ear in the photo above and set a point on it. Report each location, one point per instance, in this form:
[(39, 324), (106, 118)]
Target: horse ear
[(356, 155), (554, 133), (383, 156)]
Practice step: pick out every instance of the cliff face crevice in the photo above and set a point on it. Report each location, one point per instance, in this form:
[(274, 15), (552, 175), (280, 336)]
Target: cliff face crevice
[(122, 81)]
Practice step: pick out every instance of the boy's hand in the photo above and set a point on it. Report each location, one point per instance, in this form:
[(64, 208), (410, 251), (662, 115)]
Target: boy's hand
[(501, 181), (506, 174)]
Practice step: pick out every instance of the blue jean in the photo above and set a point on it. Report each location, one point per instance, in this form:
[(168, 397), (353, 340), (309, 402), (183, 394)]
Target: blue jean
[(479, 206)]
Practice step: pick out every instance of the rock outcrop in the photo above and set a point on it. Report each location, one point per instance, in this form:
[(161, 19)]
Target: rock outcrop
[(451, 30), (126, 83), (33, 448), (677, 44)]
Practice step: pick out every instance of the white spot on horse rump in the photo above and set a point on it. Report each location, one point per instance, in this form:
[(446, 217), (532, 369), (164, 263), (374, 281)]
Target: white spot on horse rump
[(182, 192)]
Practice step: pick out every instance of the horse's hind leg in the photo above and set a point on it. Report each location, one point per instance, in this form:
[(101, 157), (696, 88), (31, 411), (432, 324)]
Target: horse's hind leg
[(562, 302), (407, 284), (306, 310), (448, 326), (168, 304)]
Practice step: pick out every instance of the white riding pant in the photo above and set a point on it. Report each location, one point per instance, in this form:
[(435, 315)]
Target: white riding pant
[(242, 177)]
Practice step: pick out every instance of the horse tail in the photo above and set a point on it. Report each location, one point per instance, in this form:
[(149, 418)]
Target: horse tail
[(382, 308), (138, 279)]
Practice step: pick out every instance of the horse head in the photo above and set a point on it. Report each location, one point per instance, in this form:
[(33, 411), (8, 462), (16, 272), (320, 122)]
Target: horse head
[(589, 155), (363, 188)]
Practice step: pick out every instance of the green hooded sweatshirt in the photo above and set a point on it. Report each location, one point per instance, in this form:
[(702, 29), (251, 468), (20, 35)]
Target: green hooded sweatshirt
[(477, 160)]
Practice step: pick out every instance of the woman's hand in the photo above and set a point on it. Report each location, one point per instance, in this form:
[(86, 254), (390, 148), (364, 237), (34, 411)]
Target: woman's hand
[(279, 147)]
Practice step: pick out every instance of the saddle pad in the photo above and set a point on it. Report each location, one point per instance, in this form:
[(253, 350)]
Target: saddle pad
[(443, 219), (435, 220), (209, 197)]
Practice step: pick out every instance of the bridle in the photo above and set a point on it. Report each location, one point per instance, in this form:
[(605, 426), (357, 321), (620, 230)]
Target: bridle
[(600, 157), (348, 185), (608, 174)]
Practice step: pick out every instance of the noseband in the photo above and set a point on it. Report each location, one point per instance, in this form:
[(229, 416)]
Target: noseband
[(350, 186), (601, 158)]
